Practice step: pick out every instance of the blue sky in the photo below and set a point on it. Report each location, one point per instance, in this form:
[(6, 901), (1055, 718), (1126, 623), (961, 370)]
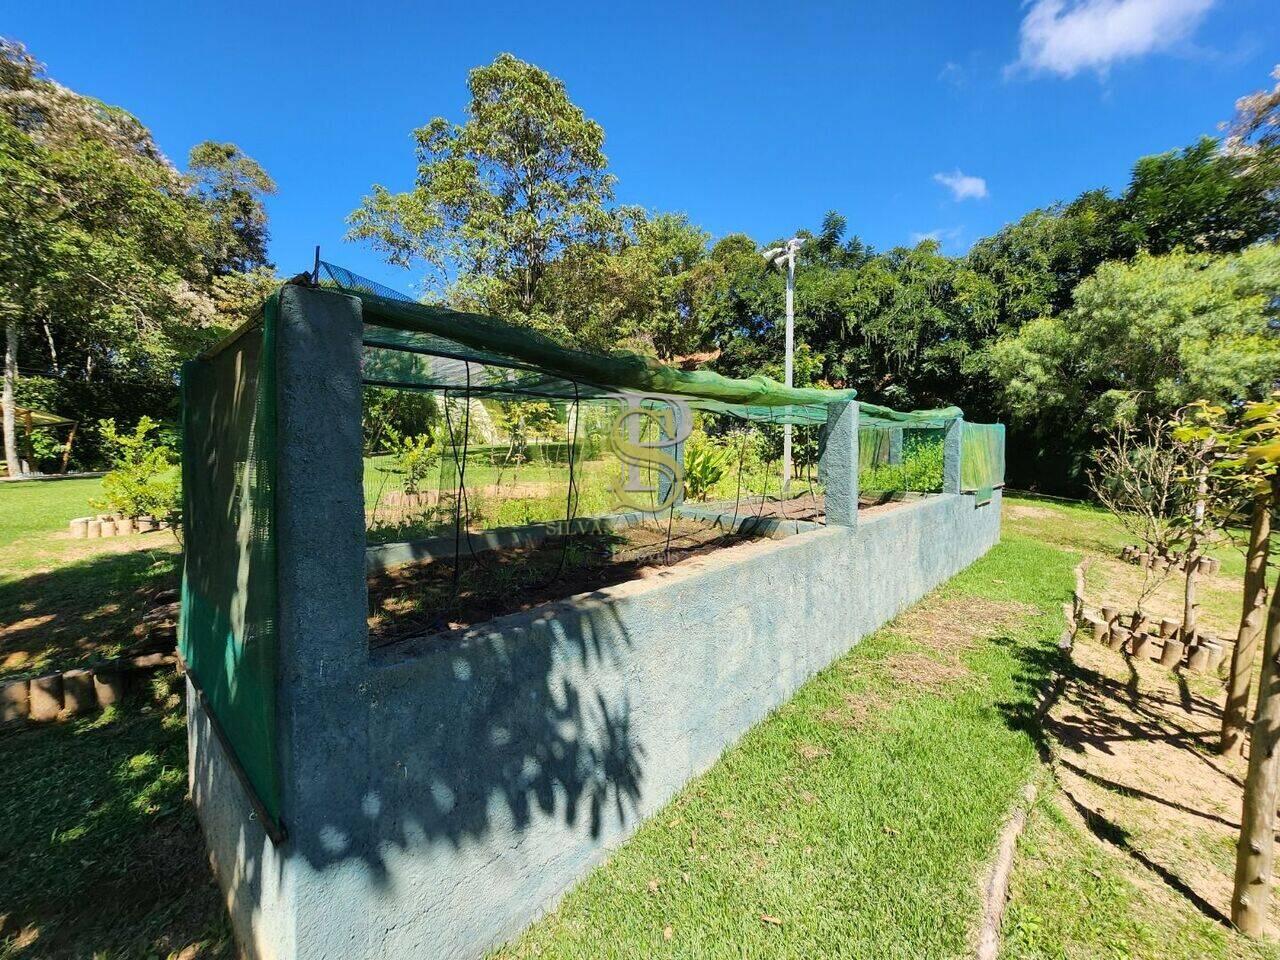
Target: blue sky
[(911, 118)]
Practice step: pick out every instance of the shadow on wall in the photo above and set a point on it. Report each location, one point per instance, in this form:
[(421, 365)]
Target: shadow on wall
[(481, 732), (471, 740)]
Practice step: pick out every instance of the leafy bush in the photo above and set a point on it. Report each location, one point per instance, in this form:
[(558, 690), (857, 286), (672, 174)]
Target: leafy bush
[(415, 456), (920, 471), (143, 480), (705, 464)]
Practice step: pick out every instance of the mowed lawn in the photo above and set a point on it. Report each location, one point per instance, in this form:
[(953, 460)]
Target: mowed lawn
[(855, 821), (64, 601)]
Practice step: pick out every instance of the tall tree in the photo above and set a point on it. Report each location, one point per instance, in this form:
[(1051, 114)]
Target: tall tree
[(498, 197), (1255, 850), (233, 188), (1256, 125), (1142, 340), (1202, 198), (108, 250)]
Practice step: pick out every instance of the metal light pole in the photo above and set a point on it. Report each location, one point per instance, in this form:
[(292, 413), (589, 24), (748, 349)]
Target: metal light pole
[(780, 257)]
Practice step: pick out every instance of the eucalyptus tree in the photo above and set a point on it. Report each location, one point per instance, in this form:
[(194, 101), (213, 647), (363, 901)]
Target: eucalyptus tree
[(499, 196)]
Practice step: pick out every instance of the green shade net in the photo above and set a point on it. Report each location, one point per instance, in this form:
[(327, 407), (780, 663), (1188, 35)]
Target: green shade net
[(981, 458), (227, 634), (413, 345)]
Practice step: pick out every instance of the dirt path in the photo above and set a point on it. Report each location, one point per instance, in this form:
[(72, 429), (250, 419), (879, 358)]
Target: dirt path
[(1134, 752)]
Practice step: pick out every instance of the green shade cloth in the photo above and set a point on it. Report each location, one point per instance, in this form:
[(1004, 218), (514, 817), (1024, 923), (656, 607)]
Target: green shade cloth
[(981, 457), (227, 633), (445, 349)]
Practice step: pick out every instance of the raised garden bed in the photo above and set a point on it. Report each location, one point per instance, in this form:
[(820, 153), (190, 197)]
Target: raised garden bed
[(426, 597), (806, 506)]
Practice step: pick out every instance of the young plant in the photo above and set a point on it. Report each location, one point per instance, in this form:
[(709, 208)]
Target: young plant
[(415, 456), (1232, 492), (1136, 476), (1198, 431), (143, 480), (705, 465)]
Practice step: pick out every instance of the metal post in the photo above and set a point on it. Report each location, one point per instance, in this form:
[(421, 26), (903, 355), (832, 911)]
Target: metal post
[(788, 363)]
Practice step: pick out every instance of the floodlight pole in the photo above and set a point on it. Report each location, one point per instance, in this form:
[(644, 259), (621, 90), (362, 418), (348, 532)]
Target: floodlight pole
[(777, 256)]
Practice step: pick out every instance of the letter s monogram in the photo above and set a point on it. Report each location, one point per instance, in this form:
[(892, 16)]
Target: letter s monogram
[(634, 453)]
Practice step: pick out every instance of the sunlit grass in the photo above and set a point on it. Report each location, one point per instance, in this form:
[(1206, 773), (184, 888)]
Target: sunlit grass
[(819, 836)]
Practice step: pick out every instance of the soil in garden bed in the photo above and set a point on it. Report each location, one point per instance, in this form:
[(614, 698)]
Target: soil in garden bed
[(428, 597), (811, 507)]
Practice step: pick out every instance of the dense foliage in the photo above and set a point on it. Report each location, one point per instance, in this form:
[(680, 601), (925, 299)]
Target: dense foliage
[(1104, 310), (114, 265), (1111, 308)]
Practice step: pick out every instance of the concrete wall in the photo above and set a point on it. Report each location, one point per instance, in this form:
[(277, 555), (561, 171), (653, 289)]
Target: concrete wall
[(439, 794)]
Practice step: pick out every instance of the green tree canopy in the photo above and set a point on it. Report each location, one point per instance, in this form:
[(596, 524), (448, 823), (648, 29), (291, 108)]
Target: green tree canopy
[(501, 195), (107, 255), (232, 187), (1143, 339)]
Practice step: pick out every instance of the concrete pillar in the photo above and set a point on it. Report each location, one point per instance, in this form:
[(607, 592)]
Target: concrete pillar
[(323, 603), (951, 457), (682, 421), (839, 464), (895, 444)]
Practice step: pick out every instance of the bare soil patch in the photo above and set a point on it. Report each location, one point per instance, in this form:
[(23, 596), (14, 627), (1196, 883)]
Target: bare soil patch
[(942, 630), (811, 507), (438, 595), (1022, 511), (1134, 750)]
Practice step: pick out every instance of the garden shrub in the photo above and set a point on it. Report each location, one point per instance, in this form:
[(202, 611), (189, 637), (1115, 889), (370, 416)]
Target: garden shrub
[(143, 480), (705, 463), (415, 456), (920, 471)]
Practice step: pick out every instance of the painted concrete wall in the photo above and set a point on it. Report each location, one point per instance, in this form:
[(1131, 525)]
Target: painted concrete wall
[(438, 795)]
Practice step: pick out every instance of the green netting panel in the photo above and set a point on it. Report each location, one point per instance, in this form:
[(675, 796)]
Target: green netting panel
[(228, 629), (893, 458), (981, 457), (438, 347)]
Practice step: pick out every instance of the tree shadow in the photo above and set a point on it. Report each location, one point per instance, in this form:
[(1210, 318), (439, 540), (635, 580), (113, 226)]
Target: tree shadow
[(1102, 713), (80, 611), (1116, 836), (506, 750), (100, 854)]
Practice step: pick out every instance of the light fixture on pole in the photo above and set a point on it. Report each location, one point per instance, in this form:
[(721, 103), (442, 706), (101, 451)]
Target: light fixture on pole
[(784, 257)]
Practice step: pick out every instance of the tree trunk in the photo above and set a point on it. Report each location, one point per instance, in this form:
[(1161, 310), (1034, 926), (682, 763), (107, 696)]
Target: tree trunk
[(1190, 605), (7, 402), (1245, 653), (1256, 850)]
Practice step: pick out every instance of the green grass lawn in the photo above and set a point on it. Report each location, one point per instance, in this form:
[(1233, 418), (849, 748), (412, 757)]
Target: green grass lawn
[(855, 821), (43, 506), (64, 601), (100, 852)]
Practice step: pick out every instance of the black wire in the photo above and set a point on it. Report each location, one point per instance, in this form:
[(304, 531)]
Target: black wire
[(737, 494), (571, 506), (457, 500)]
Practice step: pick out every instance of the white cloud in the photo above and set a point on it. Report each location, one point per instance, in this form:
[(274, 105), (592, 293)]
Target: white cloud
[(943, 236), (962, 186), (952, 73), (1067, 36)]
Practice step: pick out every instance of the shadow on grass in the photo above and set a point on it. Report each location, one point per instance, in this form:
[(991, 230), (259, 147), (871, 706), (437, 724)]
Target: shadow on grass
[(100, 853), (79, 611), (1116, 836), (1105, 711)]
